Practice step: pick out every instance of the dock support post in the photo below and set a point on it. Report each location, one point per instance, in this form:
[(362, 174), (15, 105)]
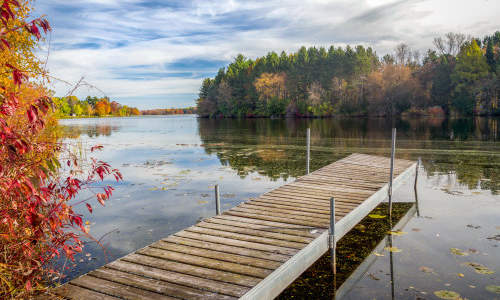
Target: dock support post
[(217, 200), (415, 187), (308, 158), (393, 150), (331, 236)]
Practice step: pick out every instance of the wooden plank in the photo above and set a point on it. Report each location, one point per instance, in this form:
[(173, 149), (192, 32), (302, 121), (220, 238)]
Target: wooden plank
[(205, 262), (116, 289), (275, 226), (233, 227), (179, 278), (289, 211), (227, 249), (239, 259), (281, 215), (276, 219), (70, 291), (288, 205), (247, 238), (304, 204), (236, 242), (311, 190), (354, 191), (154, 285), (208, 273), (336, 185), (223, 220), (320, 204)]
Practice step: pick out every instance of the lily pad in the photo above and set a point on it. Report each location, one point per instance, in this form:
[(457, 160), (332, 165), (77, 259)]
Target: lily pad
[(393, 249), (493, 288), (479, 268), (459, 252), (426, 269), (450, 295), (397, 232), (376, 216)]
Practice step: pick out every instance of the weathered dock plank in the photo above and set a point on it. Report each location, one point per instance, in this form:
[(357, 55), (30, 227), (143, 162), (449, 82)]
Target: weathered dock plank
[(254, 250)]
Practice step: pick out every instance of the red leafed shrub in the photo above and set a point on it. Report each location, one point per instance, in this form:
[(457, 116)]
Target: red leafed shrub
[(37, 194)]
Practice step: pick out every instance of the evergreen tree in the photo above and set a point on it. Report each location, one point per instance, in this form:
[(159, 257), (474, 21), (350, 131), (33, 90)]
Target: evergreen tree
[(470, 68)]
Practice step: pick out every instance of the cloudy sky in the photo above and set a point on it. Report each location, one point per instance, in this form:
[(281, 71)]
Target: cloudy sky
[(155, 53)]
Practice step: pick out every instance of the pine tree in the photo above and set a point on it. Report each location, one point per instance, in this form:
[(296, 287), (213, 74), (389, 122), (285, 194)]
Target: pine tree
[(490, 57)]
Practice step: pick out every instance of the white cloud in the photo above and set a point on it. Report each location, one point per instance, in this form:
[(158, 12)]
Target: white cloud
[(115, 43)]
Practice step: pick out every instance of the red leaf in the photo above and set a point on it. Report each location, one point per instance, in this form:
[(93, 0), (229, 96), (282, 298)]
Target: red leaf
[(100, 199), (6, 43), (32, 113), (28, 285), (89, 207), (96, 147)]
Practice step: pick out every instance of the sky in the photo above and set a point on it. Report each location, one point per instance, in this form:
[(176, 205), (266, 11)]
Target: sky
[(155, 53)]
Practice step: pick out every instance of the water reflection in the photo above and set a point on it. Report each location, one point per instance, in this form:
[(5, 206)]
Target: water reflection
[(275, 148)]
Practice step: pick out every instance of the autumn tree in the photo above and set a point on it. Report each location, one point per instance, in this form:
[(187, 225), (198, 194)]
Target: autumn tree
[(38, 222)]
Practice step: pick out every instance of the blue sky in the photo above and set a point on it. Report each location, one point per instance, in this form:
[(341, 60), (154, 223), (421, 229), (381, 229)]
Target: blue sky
[(155, 53)]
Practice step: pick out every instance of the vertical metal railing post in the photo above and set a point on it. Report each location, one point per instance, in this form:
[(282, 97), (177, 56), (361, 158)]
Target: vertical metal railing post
[(331, 236), (415, 187), (308, 158), (217, 200), (393, 150)]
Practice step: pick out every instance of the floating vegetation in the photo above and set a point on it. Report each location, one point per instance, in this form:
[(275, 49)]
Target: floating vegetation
[(397, 233), (153, 189), (376, 216), (393, 249), (495, 237), (479, 268), (426, 270), (202, 202), (493, 288), (473, 227), (449, 295), (458, 252)]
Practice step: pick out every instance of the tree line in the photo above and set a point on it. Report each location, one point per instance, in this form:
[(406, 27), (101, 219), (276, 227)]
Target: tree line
[(460, 76), (91, 106), (170, 111)]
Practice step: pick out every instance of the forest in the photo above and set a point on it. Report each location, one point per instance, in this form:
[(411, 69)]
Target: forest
[(170, 111), (71, 106), (459, 77)]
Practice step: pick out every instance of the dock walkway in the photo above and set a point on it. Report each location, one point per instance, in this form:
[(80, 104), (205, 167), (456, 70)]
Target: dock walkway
[(254, 250)]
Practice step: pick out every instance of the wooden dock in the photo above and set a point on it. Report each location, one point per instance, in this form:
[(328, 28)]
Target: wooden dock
[(254, 250)]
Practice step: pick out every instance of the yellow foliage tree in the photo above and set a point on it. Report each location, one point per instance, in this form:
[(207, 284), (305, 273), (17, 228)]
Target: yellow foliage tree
[(271, 85)]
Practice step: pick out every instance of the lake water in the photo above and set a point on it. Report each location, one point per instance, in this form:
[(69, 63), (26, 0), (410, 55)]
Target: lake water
[(171, 164)]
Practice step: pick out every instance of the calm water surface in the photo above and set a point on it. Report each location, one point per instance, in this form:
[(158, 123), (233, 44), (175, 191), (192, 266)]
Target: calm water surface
[(171, 164)]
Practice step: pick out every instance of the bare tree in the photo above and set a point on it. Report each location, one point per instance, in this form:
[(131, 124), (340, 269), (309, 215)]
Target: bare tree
[(403, 53), (451, 43), (416, 57)]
